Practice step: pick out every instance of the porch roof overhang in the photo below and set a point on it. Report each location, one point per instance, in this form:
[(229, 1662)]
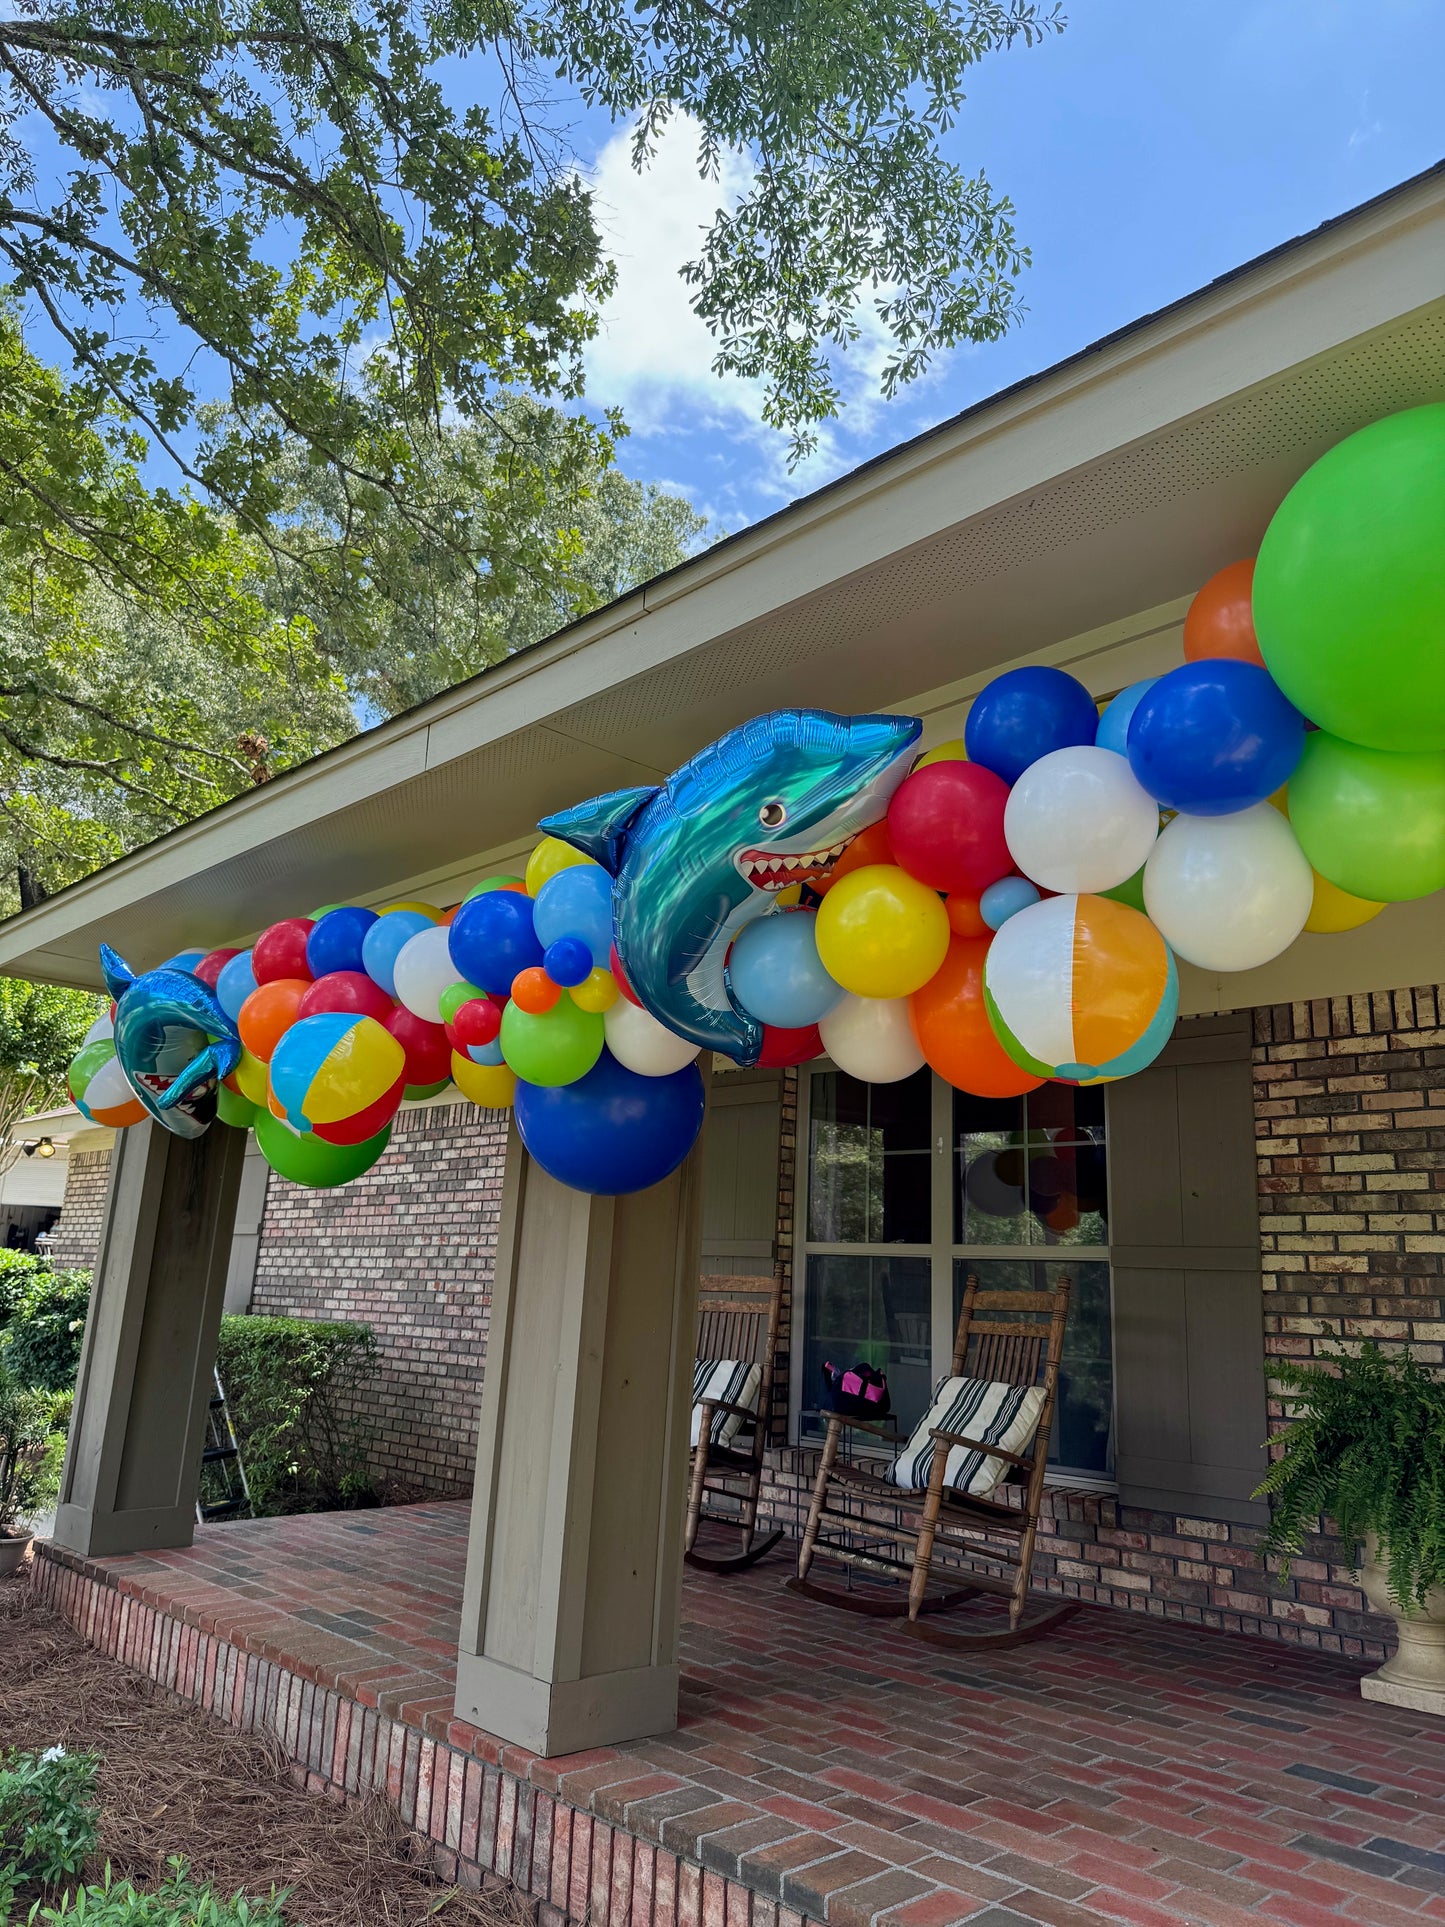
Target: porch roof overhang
[(1067, 519)]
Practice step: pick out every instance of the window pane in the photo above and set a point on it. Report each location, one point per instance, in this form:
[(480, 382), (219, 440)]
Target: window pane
[(1030, 1170), (870, 1161), (874, 1311)]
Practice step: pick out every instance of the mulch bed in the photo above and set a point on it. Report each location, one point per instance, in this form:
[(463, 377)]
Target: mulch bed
[(174, 1780)]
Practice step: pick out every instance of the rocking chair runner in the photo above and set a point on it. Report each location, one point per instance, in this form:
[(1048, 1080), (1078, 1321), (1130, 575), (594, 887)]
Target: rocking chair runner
[(732, 1401), (1003, 1384)]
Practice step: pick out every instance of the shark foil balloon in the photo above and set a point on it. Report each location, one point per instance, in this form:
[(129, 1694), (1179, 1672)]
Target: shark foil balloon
[(771, 804), (172, 1040)]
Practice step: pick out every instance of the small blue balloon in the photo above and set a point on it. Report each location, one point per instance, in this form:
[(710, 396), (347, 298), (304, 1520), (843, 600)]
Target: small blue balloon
[(1113, 732), (1023, 715), (577, 902), (338, 940), (567, 961), (612, 1131), (1005, 899), (776, 973), (1215, 736), (235, 983), (492, 938), (487, 1053), (384, 943), (183, 960)]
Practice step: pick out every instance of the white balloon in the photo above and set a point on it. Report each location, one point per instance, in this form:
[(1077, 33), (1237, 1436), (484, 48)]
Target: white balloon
[(640, 1043), (1229, 892), (423, 970), (1077, 820), (871, 1038)]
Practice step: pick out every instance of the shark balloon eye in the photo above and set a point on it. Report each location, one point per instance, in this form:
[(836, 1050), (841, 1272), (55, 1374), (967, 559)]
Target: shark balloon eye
[(772, 815)]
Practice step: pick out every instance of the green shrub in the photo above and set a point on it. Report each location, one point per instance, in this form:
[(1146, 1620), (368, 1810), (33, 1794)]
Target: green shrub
[(179, 1901), (41, 1342), (32, 1446), (291, 1385), (17, 1269), (48, 1814)]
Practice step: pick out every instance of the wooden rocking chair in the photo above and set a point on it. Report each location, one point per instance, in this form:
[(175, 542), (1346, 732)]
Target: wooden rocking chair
[(737, 1334), (994, 1358)]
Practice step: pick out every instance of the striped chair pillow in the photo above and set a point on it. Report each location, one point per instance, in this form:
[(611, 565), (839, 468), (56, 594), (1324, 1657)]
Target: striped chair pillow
[(1005, 1415), (729, 1379)]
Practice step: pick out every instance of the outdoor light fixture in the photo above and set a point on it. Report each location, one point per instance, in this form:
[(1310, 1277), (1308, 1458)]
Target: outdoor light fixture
[(39, 1148)]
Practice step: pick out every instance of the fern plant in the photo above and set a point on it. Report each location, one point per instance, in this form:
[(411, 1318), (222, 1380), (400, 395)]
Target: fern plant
[(1366, 1445)]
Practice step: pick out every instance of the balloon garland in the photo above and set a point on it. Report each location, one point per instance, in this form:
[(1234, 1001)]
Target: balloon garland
[(1005, 908)]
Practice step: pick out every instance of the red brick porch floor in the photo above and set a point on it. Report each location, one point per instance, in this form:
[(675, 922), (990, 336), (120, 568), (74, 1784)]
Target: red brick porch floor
[(825, 1767)]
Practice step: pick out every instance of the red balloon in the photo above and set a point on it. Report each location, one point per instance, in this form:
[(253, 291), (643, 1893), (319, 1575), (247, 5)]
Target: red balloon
[(784, 1047), (614, 964), (477, 1022), (351, 991), (428, 1054), (361, 1125), (946, 823), (210, 967), (281, 951)]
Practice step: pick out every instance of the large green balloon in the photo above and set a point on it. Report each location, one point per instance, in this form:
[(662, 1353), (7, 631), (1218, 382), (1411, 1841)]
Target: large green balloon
[(557, 1047), (1349, 588), (1372, 822), (310, 1160), (235, 1110)]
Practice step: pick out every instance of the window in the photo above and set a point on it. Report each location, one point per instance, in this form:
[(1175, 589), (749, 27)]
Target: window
[(911, 1186)]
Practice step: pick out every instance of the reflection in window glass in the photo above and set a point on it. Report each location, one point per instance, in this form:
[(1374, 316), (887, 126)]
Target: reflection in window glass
[(1030, 1170), (873, 1311), (869, 1163)]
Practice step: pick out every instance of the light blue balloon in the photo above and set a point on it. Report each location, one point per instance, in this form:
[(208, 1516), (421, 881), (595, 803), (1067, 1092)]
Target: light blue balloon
[(385, 941), (487, 1053), (776, 973), (184, 960), (235, 983), (1005, 899), (577, 902), (1113, 731)]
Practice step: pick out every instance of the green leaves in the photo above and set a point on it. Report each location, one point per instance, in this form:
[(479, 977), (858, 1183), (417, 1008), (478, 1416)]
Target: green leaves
[(292, 1385), (179, 1901), (48, 1816)]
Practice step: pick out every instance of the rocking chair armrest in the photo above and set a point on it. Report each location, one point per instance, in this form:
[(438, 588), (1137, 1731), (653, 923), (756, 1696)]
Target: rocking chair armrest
[(977, 1445), (878, 1427), (711, 1405)]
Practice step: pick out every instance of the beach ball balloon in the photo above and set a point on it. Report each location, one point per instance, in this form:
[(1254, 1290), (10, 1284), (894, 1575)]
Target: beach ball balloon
[(331, 1066), (1213, 737), (493, 938), (1371, 820), (1081, 988), (951, 1023), (304, 1158), (492, 1086), (423, 970), (946, 824), (641, 1044), (101, 1031), (612, 1132), (1023, 714), (872, 1039), (363, 1125), (99, 1087), (776, 973), (1078, 820), (1220, 619), (1229, 892), (1113, 730), (881, 933)]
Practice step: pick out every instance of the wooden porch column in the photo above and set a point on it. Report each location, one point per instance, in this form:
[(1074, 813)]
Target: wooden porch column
[(574, 1568), (134, 1459)]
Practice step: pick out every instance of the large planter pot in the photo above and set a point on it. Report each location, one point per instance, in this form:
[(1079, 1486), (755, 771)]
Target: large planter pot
[(12, 1554), (1415, 1676)]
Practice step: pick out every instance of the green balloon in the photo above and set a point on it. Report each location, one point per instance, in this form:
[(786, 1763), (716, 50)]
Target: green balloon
[(1130, 891), (235, 1110), (557, 1047), (86, 1063), (1370, 821), (310, 1160), (1349, 587), (414, 1093), (499, 882), (454, 996)]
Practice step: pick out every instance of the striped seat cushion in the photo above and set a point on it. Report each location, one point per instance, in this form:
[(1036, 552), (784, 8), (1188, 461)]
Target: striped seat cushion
[(729, 1379), (1005, 1415)]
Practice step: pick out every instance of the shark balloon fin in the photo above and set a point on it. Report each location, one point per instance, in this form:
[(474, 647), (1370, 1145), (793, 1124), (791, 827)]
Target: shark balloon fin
[(117, 972), (597, 828)]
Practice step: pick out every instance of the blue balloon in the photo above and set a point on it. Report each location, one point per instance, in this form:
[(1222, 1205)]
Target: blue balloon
[(612, 1131), (338, 940), (1023, 715), (492, 938), (235, 983), (577, 902), (183, 960), (1005, 899), (384, 943), (1215, 736), (776, 973), (487, 1053), (567, 961), (1113, 731)]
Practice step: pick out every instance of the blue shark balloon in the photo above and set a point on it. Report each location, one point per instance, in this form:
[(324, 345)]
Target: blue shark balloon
[(768, 805), (173, 1041)]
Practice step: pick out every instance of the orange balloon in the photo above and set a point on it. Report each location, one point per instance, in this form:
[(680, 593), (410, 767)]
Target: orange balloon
[(534, 991), (965, 918), (268, 1013), (1220, 620), (951, 1024), (873, 845)]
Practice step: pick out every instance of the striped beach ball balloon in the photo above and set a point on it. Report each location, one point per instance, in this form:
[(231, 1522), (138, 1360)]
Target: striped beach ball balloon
[(333, 1066), (99, 1087), (1081, 988)]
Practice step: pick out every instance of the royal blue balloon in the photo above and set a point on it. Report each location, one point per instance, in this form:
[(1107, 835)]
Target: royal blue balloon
[(1005, 899), (1215, 736), (492, 938), (776, 973), (338, 940), (384, 943), (184, 960), (612, 1131), (1022, 715), (1113, 731), (235, 983), (577, 902), (567, 961)]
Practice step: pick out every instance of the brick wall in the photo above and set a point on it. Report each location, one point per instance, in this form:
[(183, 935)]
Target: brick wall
[(77, 1233)]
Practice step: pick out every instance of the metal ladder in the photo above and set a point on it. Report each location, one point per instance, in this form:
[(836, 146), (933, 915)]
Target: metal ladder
[(223, 1492)]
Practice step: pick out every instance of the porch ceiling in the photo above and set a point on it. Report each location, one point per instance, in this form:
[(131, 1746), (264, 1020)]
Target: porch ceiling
[(1112, 485)]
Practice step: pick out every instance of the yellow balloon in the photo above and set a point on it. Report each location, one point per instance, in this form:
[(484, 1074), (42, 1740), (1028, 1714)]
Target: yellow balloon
[(1335, 909), (597, 991), (550, 856), (952, 751), (1280, 799), (252, 1078), (493, 1086), (790, 898), (426, 909), (881, 933)]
